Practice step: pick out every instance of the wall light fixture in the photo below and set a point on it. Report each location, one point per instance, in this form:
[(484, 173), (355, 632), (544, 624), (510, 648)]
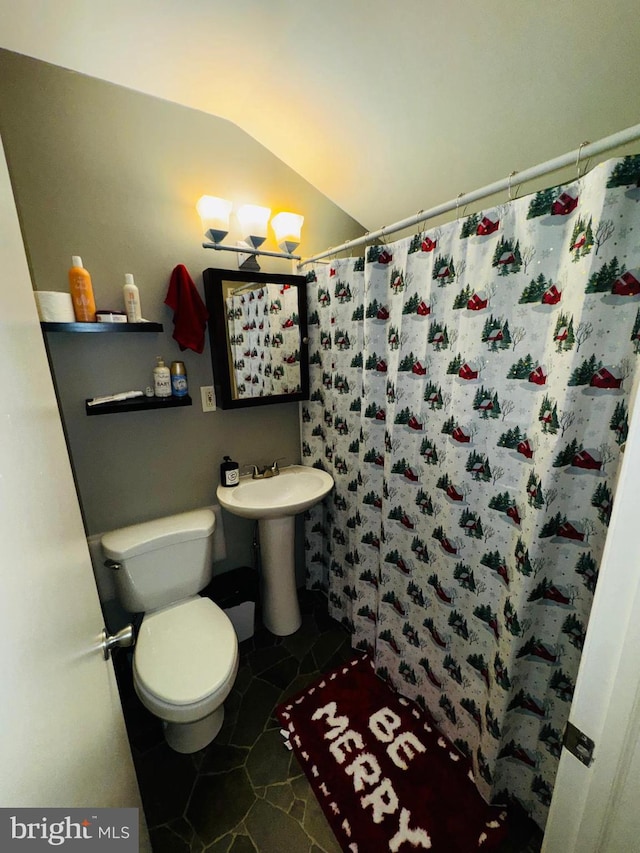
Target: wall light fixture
[(214, 213), (253, 221), (287, 227)]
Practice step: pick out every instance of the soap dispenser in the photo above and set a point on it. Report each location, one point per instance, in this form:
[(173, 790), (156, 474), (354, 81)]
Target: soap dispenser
[(229, 472), (161, 378)]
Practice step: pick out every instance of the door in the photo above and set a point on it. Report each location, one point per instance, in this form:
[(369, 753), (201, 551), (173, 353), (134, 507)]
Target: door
[(595, 808), (62, 736)]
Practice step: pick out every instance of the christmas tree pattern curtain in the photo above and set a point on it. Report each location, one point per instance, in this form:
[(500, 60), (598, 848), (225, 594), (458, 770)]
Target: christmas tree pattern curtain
[(470, 389), (264, 336)]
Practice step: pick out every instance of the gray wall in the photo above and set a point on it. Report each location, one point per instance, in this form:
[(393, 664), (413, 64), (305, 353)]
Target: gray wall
[(113, 175)]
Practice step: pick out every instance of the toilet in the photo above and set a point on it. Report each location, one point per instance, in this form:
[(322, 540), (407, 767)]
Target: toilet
[(186, 655)]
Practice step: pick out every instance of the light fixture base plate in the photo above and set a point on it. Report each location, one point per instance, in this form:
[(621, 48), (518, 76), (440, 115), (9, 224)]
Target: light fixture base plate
[(247, 260)]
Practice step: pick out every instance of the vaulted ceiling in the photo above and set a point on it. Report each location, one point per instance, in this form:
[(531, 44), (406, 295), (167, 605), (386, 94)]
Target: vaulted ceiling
[(386, 106)]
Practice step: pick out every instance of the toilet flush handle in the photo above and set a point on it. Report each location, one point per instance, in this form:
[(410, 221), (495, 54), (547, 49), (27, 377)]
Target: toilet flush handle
[(122, 639), (111, 564)]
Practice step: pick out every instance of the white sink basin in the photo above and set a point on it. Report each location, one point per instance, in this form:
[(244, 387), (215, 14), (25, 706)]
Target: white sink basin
[(275, 502), (293, 490)]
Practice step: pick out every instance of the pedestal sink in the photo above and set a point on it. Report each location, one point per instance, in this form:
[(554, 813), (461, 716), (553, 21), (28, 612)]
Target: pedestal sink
[(274, 502)]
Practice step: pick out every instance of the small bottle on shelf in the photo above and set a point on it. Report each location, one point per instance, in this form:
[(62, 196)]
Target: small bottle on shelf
[(161, 379), (81, 289), (131, 296), (178, 379)]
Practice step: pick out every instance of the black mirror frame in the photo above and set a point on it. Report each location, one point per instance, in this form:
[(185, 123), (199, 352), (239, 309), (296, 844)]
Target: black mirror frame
[(213, 279)]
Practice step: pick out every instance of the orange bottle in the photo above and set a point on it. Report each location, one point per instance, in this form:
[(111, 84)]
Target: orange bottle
[(84, 305)]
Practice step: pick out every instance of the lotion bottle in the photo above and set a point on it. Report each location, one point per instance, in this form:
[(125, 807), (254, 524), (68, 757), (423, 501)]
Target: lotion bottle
[(84, 305), (161, 379), (131, 300)]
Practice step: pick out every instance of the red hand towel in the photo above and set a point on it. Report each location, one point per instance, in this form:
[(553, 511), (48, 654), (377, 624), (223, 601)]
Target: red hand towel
[(190, 314)]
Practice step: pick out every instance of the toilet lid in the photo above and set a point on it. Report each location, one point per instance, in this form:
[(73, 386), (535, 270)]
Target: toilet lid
[(185, 652)]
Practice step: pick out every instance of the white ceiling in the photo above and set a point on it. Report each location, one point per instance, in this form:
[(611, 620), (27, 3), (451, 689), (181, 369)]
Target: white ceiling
[(386, 106)]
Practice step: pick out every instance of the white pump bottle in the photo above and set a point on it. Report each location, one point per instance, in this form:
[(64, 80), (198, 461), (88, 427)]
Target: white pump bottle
[(131, 300)]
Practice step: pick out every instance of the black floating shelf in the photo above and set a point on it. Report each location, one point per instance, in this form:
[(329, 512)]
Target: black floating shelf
[(102, 327), (138, 404)]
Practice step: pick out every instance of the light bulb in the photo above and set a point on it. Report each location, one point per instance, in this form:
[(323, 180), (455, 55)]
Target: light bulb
[(253, 221), (214, 213), (287, 227)]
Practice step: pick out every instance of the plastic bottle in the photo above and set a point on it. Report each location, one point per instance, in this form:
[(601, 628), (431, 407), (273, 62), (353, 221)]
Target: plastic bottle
[(229, 472), (161, 379), (84, 305), (131, 296), (178, 379)]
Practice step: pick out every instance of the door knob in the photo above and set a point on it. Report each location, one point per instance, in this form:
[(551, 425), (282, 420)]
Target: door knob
[(122, 639)]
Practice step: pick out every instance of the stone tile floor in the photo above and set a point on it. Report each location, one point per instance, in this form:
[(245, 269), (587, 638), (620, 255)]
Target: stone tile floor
[(246, 793)]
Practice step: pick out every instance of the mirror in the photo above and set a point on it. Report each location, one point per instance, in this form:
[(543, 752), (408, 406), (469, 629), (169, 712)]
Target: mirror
[(258, 335)]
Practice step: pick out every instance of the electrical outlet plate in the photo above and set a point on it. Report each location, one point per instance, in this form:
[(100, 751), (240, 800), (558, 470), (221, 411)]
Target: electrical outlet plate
[(208, 398)]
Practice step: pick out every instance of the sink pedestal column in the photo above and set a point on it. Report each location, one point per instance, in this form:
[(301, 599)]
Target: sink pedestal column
[(280, 608)]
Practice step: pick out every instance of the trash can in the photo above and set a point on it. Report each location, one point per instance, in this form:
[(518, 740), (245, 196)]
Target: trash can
[(236, 592)]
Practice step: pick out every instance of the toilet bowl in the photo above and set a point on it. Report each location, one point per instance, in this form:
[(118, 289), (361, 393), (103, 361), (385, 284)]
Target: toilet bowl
[(186, 655), (184, 665)]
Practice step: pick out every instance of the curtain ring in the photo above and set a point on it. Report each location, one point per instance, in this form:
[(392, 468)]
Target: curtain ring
[(458, 197), (582, 144), (511, 175)]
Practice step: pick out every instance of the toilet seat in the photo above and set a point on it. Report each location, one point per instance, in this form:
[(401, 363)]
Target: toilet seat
[(185, 659)]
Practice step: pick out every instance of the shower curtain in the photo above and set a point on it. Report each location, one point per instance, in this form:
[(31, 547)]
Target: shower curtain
[(264, 335), (470, 390)]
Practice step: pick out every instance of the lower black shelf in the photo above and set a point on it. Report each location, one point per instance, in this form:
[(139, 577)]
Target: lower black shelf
[(138, 404)]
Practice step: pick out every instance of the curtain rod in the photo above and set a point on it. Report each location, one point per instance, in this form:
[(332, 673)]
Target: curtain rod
[(583, 152)]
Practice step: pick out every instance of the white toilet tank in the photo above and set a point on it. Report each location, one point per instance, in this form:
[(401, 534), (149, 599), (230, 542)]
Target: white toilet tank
[(162, 561)]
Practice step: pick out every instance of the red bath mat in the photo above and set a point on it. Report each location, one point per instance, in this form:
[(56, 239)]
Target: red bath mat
[(385, 777)]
